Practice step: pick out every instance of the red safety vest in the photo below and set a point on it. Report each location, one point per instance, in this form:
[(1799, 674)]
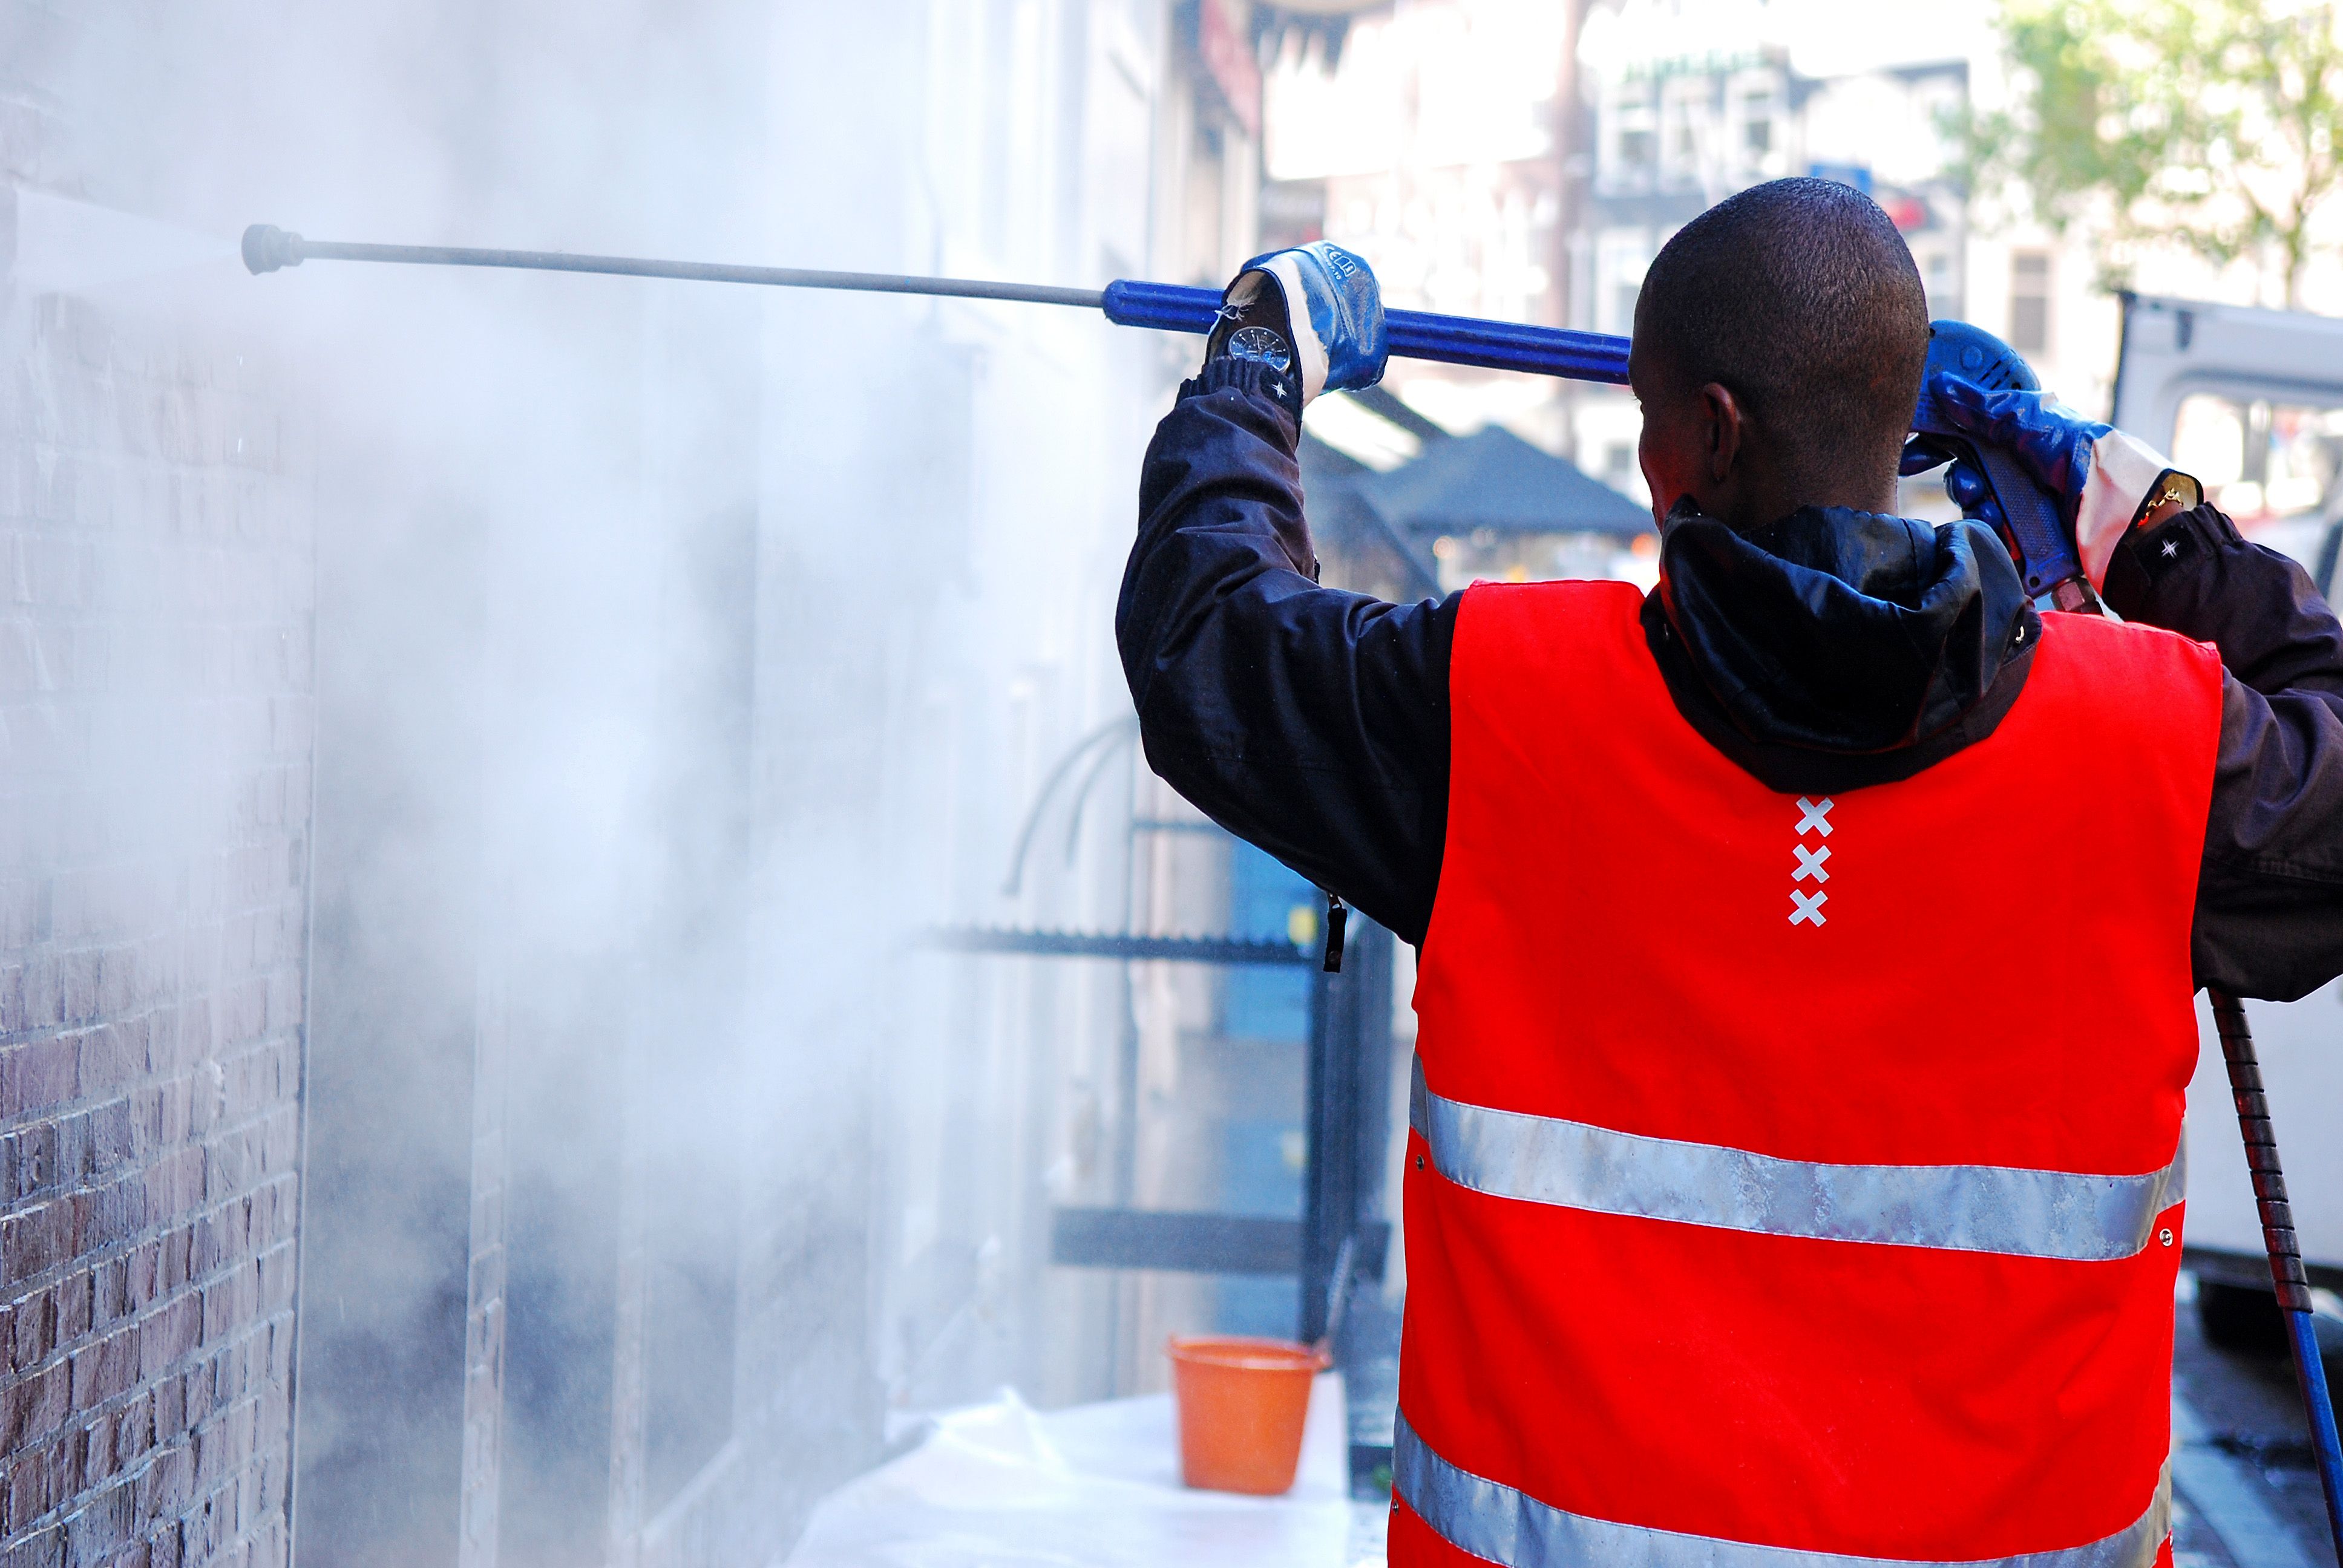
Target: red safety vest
[(1798, 1174)]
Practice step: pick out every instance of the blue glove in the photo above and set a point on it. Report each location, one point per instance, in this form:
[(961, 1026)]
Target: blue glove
[(1966, 483), (2105, 481), (1335, 341)]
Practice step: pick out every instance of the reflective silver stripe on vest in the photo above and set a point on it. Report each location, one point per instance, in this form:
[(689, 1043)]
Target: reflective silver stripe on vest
[(1963, 1208), (1506, 1526)]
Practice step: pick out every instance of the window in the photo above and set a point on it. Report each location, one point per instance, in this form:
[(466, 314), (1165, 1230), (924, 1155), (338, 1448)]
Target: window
[(2029, 301), (1681, 116), (2262, 462), (1942, 283), (1630, 139), (1757, 124)]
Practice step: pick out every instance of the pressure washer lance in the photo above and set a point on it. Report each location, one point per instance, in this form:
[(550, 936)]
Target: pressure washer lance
[(2054, 574), (1414, 334), (2285, 1251)]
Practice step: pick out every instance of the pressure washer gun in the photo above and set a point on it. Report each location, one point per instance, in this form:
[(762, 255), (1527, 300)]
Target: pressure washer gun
[(2012, 501)]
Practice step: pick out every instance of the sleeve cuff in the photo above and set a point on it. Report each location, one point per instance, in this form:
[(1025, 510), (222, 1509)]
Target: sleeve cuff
[(1226, 373), (2148, 557)]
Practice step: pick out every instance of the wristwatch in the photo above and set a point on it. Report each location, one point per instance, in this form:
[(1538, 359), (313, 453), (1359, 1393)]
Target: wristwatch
[(1253, 328), (2174, 492)]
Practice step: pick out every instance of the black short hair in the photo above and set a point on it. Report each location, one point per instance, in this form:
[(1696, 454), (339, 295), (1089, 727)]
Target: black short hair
[(1800, 298)]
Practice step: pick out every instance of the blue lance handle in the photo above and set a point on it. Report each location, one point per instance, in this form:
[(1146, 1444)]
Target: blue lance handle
[(1414, 334), (2285, 1251)]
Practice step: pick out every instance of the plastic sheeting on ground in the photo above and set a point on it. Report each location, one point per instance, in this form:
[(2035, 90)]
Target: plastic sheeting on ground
[(1001, 1485)]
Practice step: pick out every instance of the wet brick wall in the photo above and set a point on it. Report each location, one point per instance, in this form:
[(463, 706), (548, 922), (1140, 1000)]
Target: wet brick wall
[(155, 760), (150, 958)]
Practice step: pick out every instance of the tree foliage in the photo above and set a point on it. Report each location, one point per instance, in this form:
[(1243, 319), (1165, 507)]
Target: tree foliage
[(2212, 123)]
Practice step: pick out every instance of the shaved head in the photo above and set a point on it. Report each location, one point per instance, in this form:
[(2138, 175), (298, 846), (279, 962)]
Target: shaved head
[(1801, 299)]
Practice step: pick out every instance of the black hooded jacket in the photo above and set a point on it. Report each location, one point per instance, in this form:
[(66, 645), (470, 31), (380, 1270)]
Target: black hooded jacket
[(1831, 650)]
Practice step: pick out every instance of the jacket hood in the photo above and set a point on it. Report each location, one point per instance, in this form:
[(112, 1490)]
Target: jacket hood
[(1840, 645)]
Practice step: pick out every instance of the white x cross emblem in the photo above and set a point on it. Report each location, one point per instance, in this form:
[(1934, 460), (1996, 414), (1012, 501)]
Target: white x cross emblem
[(1810, 863), (1809, 907), (1814, 814)]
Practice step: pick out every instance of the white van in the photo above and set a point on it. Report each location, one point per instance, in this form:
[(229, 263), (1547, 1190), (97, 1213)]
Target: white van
[(2251, 402)]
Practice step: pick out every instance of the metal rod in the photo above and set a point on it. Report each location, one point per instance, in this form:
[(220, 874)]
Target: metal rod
[(2293, 1286), (266, 248)]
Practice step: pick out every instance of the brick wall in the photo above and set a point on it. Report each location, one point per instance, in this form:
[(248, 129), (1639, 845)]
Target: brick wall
[(155, 767)]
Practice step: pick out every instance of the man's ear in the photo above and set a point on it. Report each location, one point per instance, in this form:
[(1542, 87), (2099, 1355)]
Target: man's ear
[(1723, 421)]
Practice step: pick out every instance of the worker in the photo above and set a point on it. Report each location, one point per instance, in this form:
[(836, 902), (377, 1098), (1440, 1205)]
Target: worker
[(1805, 946)]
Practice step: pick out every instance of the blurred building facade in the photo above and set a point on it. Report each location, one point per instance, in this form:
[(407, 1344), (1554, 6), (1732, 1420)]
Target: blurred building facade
[(1434, 142), (1684, 105), (1526, 161)]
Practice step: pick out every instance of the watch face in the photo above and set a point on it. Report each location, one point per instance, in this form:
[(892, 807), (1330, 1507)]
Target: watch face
[(1259, 343)]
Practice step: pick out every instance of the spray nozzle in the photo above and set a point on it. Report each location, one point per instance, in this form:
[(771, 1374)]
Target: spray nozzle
[(267, 247)]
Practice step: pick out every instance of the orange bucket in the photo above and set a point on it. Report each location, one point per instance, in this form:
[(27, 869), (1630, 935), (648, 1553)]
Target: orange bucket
[(1242, 1403)]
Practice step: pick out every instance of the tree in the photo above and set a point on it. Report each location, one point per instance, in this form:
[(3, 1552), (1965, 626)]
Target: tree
[(2210, 123)]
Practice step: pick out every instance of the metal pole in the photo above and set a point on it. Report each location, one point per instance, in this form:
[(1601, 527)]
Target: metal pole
[(2285, 1251), (1325, 1160), (267, 247)]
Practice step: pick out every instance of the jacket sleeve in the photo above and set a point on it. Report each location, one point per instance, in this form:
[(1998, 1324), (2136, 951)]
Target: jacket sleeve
[(2269, 896), (1310, 723)]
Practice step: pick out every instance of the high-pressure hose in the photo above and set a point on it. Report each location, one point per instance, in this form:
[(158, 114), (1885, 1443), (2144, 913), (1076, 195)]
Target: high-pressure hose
[(2285, 1251)]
